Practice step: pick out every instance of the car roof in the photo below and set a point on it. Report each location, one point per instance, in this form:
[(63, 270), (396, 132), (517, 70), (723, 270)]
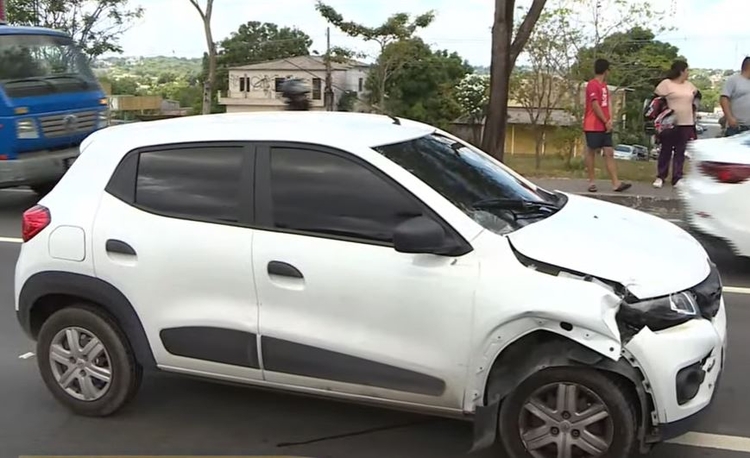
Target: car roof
[(22, 30), (335, 129)]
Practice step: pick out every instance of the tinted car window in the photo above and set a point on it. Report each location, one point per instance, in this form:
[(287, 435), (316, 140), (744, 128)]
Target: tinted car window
[(197, 183), (325, 194), (466, 176)]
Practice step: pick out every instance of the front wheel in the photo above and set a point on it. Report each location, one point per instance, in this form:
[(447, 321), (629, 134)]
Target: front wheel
[(568, 413)]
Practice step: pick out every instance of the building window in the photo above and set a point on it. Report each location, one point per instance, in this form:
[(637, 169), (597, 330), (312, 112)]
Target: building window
[(243, 88), (279, 84), (317, 93), (361, 84)]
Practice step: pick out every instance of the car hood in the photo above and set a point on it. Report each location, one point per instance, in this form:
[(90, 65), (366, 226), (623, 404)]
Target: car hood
[(648, 255)]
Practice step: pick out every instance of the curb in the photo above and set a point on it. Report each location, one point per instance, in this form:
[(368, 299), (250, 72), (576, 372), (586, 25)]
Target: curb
[(650, 204)]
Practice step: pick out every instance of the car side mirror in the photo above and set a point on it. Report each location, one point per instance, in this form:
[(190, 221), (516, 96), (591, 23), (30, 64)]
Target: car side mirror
[(420, 235)]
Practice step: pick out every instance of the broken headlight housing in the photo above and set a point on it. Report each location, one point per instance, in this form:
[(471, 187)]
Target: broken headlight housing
[(659, 313)]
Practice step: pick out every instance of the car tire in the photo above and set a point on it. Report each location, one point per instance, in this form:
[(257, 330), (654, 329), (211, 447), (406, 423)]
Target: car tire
[(614, 435), (77, 375)]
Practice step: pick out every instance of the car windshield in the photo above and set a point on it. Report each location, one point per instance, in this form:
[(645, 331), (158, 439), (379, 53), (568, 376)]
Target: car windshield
[(622, 148), (474, 182), (42, 64)]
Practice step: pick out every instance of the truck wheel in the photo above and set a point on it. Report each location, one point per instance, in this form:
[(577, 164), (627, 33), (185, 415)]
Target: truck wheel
[(43, 189), (86, 361), (568, 412)]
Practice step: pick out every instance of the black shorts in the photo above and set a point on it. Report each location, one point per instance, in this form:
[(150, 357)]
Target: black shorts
[(599, 140)]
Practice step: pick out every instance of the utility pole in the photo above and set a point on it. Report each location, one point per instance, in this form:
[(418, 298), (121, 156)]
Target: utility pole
[(328, 96)]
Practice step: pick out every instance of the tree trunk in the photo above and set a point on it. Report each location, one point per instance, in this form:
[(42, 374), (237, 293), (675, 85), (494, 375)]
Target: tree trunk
[(539, 140), (493, 140), (505, 51), (211, 82)]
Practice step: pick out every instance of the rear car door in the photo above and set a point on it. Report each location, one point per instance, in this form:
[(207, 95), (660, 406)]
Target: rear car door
[(173, 235), (340, 309)]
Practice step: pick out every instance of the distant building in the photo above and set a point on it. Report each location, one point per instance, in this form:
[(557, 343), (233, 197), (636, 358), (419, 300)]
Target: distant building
[(256, 87), (521, 133)]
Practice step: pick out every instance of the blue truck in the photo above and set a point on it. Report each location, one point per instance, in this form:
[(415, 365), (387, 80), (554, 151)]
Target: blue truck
[(50, 101)]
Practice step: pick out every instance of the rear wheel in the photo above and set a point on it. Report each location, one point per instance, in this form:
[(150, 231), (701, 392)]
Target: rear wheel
[(568, 413), (86, 362)]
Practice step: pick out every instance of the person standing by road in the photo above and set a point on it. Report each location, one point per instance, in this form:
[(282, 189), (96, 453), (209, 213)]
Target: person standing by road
[(735, 100), (597, 126), (679, 94)]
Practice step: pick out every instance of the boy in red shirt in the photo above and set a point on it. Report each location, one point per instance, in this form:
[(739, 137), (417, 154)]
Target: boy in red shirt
[(597, 125)]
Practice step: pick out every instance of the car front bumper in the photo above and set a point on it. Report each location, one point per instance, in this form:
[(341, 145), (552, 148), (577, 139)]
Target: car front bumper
[(36, 168), (661, 356)]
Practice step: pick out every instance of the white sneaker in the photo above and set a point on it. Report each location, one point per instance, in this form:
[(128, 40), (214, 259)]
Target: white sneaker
[(658, 183), (678, 185)]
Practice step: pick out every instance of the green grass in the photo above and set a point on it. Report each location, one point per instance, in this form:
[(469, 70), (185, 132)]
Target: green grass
[(556, 167)]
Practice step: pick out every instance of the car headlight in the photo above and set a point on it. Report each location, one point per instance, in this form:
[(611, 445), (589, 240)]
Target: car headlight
[(26, 128), (660, 313)]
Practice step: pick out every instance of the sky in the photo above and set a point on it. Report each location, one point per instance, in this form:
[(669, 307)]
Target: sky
[(709, 33)]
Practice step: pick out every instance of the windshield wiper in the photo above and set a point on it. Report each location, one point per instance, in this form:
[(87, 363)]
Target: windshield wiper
[(80, 78), (515, 205), (30, 79)]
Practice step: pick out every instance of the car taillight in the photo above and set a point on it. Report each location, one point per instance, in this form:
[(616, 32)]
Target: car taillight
[(35, 220), (725, 172)]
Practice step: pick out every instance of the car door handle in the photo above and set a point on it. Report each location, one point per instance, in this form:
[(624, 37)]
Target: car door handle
[(283, 269), (119, 247)]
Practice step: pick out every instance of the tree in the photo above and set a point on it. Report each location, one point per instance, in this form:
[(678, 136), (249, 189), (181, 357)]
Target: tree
[(208, 85), (505, 51), (639, 62), (543, 87), (423, 89), (396, 28), (473, 95), (125, 86), (95, 25), (255, 42)]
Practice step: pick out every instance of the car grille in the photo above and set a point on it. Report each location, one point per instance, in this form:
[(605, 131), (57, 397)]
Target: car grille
[(65, 124), (708, 294)]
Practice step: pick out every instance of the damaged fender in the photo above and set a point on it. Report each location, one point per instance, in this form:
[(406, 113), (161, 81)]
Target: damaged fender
[(546, 350)]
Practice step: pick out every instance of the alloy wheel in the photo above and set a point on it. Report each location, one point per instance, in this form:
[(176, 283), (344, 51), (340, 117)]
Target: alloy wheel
[(80, 364), (565, 420)]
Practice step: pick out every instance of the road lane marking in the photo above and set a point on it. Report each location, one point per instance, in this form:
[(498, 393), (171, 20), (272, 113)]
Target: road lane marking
[(10, 240), (715, 441), (26, 355), (736, 290)]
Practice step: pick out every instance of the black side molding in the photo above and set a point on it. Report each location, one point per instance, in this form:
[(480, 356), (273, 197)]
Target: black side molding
[(87, 289), (219, 345), (283, 269), (297, 359), (120, 247)]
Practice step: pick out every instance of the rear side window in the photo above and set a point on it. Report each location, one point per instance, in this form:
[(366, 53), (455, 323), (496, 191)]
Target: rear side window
[(202, 183), (327, 195)]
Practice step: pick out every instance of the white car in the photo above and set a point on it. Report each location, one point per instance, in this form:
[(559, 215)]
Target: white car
[(370, 259), (716, 190)]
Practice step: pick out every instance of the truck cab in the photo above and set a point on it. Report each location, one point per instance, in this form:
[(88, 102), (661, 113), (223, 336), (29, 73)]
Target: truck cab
[(50, 101)]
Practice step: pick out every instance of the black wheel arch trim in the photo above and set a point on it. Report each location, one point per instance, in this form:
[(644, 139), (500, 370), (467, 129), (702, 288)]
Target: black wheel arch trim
[(518, 362), (89, 289)]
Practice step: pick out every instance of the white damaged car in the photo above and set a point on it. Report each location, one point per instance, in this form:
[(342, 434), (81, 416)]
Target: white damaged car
[(369, 259)]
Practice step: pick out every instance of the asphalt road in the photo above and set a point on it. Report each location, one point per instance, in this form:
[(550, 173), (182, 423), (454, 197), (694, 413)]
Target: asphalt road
[(179, 416)]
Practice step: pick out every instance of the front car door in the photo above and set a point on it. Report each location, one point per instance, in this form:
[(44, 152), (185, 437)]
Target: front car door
[(340, 310), (172, 234)]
